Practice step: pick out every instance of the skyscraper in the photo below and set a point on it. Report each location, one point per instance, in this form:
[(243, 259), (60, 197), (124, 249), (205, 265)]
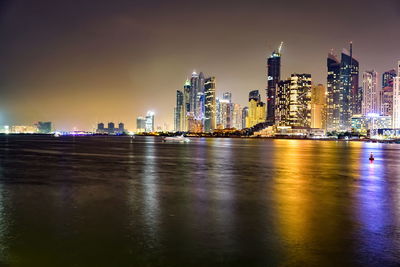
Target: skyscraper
[(210, 105), (387, 78), (350, 96), (273, 77), (371, 93), (333, 93), (149, 125), (318, 106), (282, 103), (140, 124), (187, 92), (225, 113), (387, 92), (256, 111), (236, 116), (245, 113), (300, 100), (396, 99), (179, 112)]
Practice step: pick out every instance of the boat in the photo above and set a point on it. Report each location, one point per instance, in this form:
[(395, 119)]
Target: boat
[(180, 138), (57, 134), (371, 157)]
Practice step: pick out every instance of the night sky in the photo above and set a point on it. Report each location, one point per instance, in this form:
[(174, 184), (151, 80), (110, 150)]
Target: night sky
[(78, 62)]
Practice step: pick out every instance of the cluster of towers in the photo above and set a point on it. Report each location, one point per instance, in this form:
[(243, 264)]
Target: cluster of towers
[(295, 101), (195, 109)]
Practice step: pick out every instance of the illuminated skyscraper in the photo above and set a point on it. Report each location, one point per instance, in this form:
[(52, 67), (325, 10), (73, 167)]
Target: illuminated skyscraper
[(236, 116), (387, 78), (245, 113), (396, 99), (210, 105), (227, 96), (149, 126), (282, 103), (371, 93), (333, 93), (140, 124), (300, 100), (318, 106), (225, 113), (187, 91), (179, 112), (350, 96), (273, 77), (387, 92), (256, 110)]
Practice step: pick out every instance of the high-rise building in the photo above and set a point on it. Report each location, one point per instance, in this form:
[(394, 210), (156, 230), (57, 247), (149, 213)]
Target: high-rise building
[(300, 100), (149, 124), (245, 113), (236, 116), (111, 128), (179, 112), (225, 114), (318, 106), (210, 105), (100, 128), (294, 101), (396, 99), (282, 103), (187, 90), (121, 128), (344, 95), (44, 127), (333, 93), (273, 78), (350, 96), (256, 109), (140, 124), (387, 92), (227, 96), (387, 78), (371, 93)]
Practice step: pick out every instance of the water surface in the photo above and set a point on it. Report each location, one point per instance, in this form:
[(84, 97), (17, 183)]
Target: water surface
[(114, 201)]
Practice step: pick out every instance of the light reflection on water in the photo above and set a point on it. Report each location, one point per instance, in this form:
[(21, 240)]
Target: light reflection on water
[(119, 201)]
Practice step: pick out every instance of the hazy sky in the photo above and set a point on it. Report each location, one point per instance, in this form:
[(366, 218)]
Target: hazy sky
[(78, 62)]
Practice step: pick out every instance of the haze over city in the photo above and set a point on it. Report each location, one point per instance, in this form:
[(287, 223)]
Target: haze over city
[(77, 63)]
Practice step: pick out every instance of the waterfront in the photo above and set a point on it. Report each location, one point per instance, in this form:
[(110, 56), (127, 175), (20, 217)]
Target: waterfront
[(117, 201)]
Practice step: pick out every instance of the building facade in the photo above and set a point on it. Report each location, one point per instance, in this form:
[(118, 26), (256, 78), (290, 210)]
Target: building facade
[(273, 78), (318, 106), (396, 99), (333, 93), (256, 109), (371, 93), (210, 121)]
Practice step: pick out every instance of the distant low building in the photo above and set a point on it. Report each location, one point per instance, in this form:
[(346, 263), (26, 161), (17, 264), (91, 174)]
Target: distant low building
[(110, 129), (23, 129), (44, 127)]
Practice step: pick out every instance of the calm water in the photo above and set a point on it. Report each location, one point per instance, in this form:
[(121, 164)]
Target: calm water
[(113, 201)]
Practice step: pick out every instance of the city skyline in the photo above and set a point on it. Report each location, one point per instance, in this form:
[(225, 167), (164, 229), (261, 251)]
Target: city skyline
[(79, 84)]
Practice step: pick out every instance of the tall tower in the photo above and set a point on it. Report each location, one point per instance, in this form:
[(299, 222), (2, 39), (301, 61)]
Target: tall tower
[(273, 78), (350, 95), (179, 112), (210, 105), (333, 93), (371, 94), (396, 99), (300, 100)]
